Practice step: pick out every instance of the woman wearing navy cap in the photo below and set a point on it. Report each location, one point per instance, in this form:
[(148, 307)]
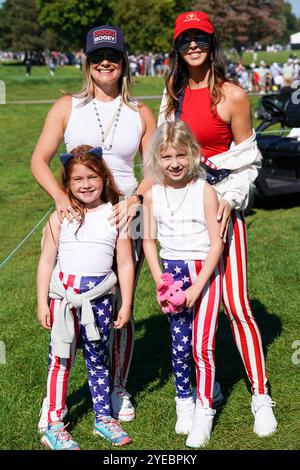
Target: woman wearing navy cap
[(218, 112), (103, 115)]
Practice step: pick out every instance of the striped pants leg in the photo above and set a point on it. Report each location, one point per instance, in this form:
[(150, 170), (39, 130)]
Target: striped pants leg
[(237, 305), (122, 341), (205, 323), (59, 368)]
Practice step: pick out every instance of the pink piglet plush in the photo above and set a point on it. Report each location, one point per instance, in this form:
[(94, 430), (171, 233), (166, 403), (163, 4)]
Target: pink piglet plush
[(170, 295)]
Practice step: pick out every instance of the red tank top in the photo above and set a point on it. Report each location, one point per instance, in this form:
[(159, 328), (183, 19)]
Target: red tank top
[(212, 133)]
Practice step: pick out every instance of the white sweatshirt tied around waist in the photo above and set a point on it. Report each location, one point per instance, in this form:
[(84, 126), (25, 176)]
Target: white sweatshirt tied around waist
[(63, 329)]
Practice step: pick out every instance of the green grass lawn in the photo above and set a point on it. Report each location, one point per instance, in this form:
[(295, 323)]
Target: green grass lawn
[(274, 253)]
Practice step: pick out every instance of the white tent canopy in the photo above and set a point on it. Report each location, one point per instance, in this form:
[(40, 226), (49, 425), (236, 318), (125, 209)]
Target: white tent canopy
[(295, 38)]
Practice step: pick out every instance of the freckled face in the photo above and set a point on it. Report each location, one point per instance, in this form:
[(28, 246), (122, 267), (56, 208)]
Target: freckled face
[(86, 185)]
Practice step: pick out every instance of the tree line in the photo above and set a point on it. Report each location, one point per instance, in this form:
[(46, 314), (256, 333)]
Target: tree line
[(147, 24)]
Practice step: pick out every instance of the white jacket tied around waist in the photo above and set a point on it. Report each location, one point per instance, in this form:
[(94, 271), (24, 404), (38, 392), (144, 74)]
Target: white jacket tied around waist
[(63, 329), (244, 161)]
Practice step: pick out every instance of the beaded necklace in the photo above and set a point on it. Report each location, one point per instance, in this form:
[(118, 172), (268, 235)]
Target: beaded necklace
[(113, 122)]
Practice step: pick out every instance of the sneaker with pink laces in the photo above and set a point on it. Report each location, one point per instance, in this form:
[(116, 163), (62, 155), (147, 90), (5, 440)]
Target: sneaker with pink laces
[(57, 438), (111, 430), (122, 408)]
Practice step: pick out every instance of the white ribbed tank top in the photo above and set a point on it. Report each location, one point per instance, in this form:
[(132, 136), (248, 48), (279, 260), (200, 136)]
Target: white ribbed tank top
[(184, 235), (83, 129), (90, 252)]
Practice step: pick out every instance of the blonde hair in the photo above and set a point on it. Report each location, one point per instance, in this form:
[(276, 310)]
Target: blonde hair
[(179, 135), (87, 93)]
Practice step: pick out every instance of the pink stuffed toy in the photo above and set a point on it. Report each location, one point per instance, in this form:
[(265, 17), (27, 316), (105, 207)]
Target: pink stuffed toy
[(170, 295)]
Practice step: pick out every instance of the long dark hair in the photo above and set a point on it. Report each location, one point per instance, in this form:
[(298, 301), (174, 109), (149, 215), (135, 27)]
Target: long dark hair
[(110, 192), (178, 77)]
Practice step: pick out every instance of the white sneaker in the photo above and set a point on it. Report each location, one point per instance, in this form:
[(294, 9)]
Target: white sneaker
[(217, 394), (264, 420), (202, 426), (122, 408), (185, 408), (43, 422)]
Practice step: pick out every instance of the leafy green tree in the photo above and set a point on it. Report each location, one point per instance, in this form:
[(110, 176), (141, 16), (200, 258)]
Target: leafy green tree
[(292, 23), (19, 26), (243, 22), (147, 25), (71, 19)]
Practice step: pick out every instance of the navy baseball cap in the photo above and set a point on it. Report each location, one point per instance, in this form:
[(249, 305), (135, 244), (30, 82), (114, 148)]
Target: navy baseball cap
[(105, 36)]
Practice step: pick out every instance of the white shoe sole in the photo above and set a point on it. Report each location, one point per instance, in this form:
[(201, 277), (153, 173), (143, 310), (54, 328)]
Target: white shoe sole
[(46, 443), (98, 433), (265, 435), (123, 417)]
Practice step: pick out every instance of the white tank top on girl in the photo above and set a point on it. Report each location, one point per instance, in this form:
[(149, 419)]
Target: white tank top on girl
[(183, 235), (90, 252), (83, 129)]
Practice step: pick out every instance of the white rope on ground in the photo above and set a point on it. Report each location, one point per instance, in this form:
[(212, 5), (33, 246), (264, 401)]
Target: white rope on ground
[(25, 238)]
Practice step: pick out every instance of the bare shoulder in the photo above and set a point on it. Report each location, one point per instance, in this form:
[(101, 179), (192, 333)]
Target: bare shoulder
[(54, 220), (209, 194), (234, 93), (62, 107)]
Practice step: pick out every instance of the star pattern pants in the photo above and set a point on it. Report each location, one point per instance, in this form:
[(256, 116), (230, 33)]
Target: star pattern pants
[(96, 354), (193, 331)]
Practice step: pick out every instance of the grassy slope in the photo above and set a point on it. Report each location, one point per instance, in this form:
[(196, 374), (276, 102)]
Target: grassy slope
[(274, 250)]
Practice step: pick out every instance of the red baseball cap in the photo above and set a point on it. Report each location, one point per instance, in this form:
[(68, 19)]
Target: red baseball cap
[(193, 20)]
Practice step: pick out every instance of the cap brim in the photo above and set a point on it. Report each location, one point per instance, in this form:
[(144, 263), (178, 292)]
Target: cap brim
[(105, 46)]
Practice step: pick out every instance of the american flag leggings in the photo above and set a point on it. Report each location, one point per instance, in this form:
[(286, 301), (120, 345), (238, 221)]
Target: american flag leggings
[(193, 331), (237, 307), (96, 354)]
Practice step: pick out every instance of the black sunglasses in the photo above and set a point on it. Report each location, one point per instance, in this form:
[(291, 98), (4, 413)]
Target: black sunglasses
[(202, 40), (110, 55)]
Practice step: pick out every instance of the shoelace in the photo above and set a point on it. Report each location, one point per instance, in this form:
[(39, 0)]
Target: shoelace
[(270, 403), (113, 426), (62, 434)]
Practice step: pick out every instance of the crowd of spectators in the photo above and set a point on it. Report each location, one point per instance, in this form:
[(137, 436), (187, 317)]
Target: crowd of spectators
[(256, 78), (264, 79)]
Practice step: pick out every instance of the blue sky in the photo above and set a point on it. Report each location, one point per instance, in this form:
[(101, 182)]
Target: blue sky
[(296, 7)]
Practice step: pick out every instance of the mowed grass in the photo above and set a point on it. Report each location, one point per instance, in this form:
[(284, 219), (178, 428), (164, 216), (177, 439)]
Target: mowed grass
[(274, 252)]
